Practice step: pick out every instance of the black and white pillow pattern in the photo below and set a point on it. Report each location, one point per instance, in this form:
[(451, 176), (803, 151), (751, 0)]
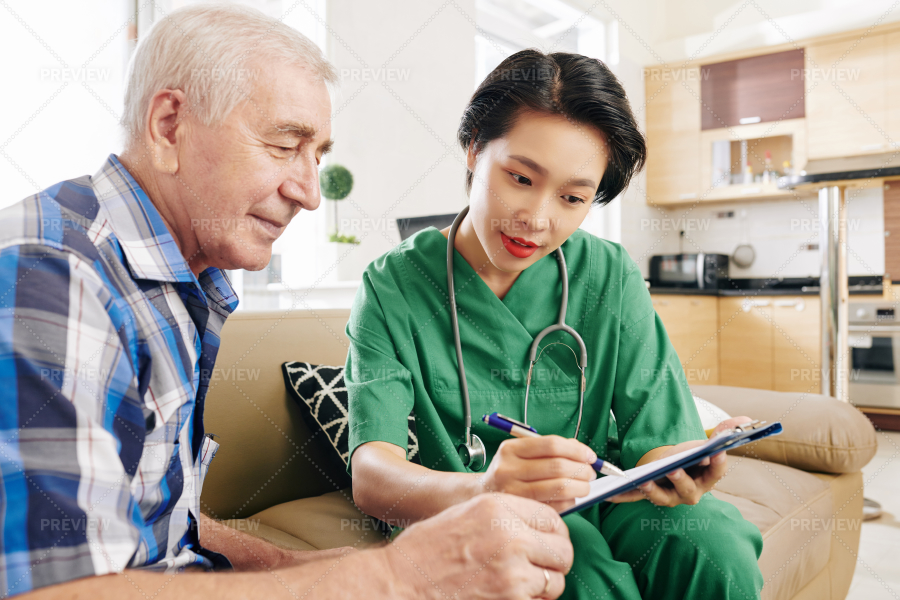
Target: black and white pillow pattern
[(322, 394)]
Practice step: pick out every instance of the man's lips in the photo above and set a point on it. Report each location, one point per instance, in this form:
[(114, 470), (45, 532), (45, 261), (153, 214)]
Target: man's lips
[(271, 226)]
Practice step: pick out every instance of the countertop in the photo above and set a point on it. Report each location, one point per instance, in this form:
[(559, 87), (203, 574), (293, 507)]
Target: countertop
[(773, 286)]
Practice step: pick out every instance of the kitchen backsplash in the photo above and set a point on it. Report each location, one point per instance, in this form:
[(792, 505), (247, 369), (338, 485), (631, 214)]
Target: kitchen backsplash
[(779, 231)]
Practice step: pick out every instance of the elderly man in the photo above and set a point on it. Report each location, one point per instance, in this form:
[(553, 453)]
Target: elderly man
[(111, 306)]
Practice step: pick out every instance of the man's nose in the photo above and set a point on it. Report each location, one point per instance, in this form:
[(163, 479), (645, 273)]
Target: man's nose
[(302, 183)]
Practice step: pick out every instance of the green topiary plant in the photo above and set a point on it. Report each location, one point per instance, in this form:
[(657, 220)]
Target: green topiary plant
[(336, 181)]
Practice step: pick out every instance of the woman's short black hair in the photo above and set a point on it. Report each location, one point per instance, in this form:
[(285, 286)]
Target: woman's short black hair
[(581, 89)]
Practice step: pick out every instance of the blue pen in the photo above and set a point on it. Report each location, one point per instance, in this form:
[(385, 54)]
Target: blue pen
[(519, 429)]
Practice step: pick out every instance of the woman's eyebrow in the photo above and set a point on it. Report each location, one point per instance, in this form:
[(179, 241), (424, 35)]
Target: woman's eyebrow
[(542, 171)]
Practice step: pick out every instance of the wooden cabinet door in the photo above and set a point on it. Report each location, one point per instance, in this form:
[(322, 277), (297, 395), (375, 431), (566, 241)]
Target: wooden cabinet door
[(673, 135), (756, 89), (846, 112), (691, 326), (701, 356), (892, 43), (745, 342), (797, 345)]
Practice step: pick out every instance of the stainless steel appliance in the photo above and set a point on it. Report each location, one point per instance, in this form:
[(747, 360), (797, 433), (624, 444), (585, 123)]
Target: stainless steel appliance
[(874, 340), (701, 271)]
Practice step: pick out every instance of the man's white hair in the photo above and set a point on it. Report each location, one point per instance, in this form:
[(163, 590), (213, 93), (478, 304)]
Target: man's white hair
[(212, 53)]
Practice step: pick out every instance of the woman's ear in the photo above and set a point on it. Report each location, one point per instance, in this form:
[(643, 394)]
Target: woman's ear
[(471, 155)]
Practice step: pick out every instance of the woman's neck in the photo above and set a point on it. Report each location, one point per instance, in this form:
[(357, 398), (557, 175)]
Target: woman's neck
[(469, 246)]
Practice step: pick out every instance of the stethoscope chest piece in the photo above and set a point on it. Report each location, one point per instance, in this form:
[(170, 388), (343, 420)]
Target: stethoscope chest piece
[(472, 454)]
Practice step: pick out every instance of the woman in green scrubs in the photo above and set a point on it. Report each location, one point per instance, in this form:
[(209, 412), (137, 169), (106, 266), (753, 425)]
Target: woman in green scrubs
[(545, 137)]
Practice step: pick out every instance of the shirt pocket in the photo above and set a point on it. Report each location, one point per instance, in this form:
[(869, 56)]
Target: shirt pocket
[(207, 453)]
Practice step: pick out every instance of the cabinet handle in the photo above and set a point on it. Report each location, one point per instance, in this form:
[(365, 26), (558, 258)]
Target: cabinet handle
[(746, 305), (749, 120), (696, 303), (798, 304), (661, 302), (687, 196), (866, 147)]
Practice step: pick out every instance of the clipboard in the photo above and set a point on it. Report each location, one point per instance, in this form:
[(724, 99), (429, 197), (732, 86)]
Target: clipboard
[(610, 485)]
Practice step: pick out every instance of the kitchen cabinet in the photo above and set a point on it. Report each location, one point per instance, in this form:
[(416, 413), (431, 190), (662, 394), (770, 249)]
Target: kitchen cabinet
[(892, 229), (762, 342), (770, 343), (691, 323), (892, 46), (846, 97), (797, 351), (673, 135), (756, 89), (746, 344)]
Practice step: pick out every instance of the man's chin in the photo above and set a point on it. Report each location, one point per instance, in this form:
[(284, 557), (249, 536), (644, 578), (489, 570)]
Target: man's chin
[(249, 258)]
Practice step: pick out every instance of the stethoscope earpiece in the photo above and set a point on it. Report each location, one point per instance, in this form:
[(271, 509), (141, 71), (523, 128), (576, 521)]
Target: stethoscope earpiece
[(473, 455)]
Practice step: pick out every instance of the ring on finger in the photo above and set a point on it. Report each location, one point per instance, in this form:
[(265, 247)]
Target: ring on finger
[(546, 583)]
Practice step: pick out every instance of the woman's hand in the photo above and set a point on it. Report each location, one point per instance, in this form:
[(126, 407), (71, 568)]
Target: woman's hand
[(683, 487), (550, 469)]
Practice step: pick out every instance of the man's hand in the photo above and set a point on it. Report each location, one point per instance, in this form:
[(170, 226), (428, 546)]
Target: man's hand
[(682, 487), (492, 546)]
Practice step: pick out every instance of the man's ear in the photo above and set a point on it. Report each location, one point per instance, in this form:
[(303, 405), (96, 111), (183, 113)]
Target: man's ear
[(166, 129)]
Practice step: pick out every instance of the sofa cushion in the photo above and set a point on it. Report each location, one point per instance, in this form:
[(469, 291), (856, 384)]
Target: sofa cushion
[(820, 432), (321, 393), (795, 514), (328, 521)]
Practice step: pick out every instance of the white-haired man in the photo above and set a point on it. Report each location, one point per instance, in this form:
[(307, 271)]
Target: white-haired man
[(110, 310)]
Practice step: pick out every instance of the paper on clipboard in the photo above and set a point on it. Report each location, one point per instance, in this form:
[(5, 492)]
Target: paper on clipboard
[(609, 486)]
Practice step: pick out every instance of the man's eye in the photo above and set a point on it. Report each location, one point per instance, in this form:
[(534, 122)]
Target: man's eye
[(521, 179)]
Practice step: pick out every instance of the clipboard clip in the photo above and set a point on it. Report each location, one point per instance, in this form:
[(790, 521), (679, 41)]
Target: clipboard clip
[(743, 428)]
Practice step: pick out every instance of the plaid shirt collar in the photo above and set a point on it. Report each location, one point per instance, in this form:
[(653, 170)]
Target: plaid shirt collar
[(150, 251)]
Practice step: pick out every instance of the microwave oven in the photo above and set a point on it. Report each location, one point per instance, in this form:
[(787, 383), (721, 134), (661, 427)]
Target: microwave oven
[(700, 271)]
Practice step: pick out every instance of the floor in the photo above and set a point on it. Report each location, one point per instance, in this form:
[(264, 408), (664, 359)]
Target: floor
[(878, 568)]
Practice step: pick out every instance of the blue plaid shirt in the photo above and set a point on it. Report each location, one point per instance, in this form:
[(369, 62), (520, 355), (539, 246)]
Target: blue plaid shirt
[(107, 344)]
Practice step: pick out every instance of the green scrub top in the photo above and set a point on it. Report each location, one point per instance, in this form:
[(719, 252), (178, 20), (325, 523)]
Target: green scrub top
[(402, 358)]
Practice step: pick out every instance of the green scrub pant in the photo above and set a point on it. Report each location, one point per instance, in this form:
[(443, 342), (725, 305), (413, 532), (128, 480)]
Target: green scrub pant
[(638, 550)]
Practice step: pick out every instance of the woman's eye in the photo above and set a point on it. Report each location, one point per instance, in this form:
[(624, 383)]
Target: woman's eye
[(521, 179), (573, 199)]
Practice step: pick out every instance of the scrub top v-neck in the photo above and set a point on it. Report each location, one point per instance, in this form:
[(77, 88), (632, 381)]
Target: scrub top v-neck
[(402, 359)]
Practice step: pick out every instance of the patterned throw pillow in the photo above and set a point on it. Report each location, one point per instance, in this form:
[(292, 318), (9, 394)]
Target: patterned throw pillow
[(322, 395)]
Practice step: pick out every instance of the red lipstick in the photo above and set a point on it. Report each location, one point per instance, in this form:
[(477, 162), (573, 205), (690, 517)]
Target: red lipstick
[(517, 246)]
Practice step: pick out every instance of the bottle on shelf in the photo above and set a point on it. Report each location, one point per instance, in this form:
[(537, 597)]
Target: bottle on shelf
[(786, 167), (748, 174), (767, 170)]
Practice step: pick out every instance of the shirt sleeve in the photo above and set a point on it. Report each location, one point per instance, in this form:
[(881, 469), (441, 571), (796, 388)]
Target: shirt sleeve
[(67, 431), (652, 401), (379, 387)]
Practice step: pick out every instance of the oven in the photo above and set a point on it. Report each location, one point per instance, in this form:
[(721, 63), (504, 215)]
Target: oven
[(874, 340)]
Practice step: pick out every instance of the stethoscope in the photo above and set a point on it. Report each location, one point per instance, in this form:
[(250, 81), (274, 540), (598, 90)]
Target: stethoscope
[(472, 451)]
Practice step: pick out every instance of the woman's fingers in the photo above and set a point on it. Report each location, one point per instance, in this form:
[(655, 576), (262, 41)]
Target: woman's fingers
[(552, 490), (553, 468), (551, 446)]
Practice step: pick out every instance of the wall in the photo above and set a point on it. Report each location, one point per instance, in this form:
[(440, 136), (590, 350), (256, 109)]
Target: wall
[(407, 72)]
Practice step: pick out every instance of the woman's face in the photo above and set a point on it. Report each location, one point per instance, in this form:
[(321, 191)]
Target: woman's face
[(533, 188)]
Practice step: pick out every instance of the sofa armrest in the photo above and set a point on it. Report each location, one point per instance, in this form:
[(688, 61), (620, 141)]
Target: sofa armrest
[(820, 433)]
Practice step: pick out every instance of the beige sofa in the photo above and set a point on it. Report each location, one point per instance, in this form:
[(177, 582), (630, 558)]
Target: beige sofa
[(803, 489)]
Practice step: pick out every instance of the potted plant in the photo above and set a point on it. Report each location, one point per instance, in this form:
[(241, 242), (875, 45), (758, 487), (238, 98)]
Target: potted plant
[(336, 181)]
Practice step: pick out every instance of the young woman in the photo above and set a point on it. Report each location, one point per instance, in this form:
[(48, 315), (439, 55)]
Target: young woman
[(545, 137)]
